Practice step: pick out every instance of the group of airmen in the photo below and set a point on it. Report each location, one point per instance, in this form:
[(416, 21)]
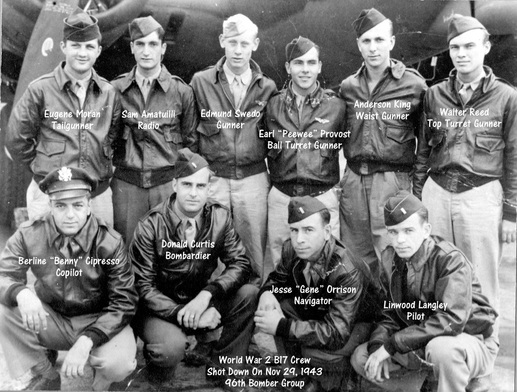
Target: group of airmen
[(392, 268)]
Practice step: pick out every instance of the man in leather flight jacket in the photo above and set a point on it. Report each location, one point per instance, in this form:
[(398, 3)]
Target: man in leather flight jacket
[(175, 250), (433, 309), (311, 300), (84, 295)]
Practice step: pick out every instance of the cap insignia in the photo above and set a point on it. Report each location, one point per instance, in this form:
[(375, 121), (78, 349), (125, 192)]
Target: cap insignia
[(65, 174)]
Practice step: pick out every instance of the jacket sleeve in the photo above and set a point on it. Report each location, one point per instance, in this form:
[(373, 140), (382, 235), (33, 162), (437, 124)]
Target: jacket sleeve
[(423, 152), (233, 256), (122, 298), (454, 288), (279, 276), (24, 126), (509, 180), (189, 119), (144, 259), (116, 126), (13, 274)]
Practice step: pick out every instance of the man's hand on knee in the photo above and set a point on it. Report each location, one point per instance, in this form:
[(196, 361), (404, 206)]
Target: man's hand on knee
[(267, 320), (268, 301), (191, 313), (210, 319), (377, 365), (31, 309), (76, 358)]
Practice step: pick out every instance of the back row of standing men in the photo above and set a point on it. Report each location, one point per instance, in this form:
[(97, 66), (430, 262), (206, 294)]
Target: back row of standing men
[(234, 117)]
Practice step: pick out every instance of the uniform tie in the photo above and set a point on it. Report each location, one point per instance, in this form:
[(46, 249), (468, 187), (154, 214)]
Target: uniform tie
[(238, 91), (311, 276), (190, 230), (466, 93), (146, 87), (80, 91), (69, 248)]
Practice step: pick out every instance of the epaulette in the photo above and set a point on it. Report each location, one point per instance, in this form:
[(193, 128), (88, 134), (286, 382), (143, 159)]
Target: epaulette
[(415, 72), (504, 81), (121, 76), (46, 76)]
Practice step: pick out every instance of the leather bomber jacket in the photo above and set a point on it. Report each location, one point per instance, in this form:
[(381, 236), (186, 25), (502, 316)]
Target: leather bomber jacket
[(320, 326), (384, 123), (233, 153), (437, 273), (106, 288), (169, 274), (322, 112)]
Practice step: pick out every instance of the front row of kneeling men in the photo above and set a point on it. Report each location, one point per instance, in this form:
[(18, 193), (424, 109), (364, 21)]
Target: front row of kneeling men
[(314, 303)]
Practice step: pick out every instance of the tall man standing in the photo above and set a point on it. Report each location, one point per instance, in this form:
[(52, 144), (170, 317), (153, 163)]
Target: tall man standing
[(158, 116), (304, 124), (468, 155), (68, 118), (231, 98), (383, 104)]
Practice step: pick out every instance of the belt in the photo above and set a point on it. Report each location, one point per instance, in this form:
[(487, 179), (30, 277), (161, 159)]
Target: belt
[(363, 168), (299, 189), (457, 180)]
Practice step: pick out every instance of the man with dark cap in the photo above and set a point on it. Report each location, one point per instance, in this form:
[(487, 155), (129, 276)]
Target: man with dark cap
[(434, 311), (304, 125), (158, 116), (175, 250), (468, 155), (68, 117), (231, 99), (383, 106), (83, 298), (310, 301)]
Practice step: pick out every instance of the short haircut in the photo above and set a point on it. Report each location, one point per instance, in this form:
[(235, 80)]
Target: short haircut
[(325, 216), (423, 213)]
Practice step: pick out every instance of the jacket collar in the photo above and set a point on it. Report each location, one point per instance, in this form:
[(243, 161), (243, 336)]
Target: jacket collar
[(314, 98), (84, 237), (396, 69), (419, 259), (321, 265), (486, 83), (219, 71), (163, 80), (63, 79)]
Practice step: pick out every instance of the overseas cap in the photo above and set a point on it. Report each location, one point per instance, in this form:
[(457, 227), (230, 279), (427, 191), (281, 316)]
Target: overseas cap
[(80, 27), (140, 27), (400, 207), (366, 20), (298, 47), (237, 25), (188, 163), (459, 24), (67, 182), (303, 207)]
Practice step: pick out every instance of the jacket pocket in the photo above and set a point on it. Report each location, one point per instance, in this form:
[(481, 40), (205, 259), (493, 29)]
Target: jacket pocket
[(399, 144), (172, 137), (400, 134), (48, 155), (210, 143), (488, 154)]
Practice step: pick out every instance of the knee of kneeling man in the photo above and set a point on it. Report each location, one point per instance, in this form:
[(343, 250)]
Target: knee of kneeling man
[(440, 349), (359, 358), (167, 354)]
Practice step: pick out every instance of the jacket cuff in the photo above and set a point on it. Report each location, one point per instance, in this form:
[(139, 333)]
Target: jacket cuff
[(214, 289), (283, 328), (13, 291), (174, 316), (509, 212), (98, 337), (374, 346), (390, 346)]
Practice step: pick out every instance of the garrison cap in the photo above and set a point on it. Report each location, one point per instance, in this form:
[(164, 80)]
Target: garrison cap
[(460, 24), (237, 25), (367, 19), (303, 207), (188, 163), (67, 182), (140, 27), (80, 27), (400, 207), (298, 47)]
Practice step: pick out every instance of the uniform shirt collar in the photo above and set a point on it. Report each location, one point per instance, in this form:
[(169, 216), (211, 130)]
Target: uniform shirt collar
[(473, 85), (83, 238), (140, 78), (83, 82), (183, 218), (245, 76)]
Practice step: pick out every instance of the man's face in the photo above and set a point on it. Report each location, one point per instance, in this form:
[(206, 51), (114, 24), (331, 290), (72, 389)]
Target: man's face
[(80, 56), (308, 237), (70, 215), (304, 71), (148, 51), (376, 44), (407, 237), (468, 52), (192, 192), (238, 50)]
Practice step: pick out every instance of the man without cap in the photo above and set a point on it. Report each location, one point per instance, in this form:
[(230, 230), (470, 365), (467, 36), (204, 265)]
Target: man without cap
[(433, 310), (383, 105), (305, 165), (175, 250), (310, 301), (231, 98), (158, 119), (83, 298), (68, 118), (468, 155)]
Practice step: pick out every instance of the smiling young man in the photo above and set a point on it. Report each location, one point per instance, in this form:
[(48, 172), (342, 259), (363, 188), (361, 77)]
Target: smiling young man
[(158, 119), (433, 310), (383, 114), (68, 117), (231, 99), (305, 126), (311, 299), (175, 250), (468, 155), (83, 298)]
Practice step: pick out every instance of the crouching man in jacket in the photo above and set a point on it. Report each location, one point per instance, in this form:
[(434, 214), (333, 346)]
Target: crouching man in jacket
[(83, 298), (433, 310), (175, 250), (310, 301)]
